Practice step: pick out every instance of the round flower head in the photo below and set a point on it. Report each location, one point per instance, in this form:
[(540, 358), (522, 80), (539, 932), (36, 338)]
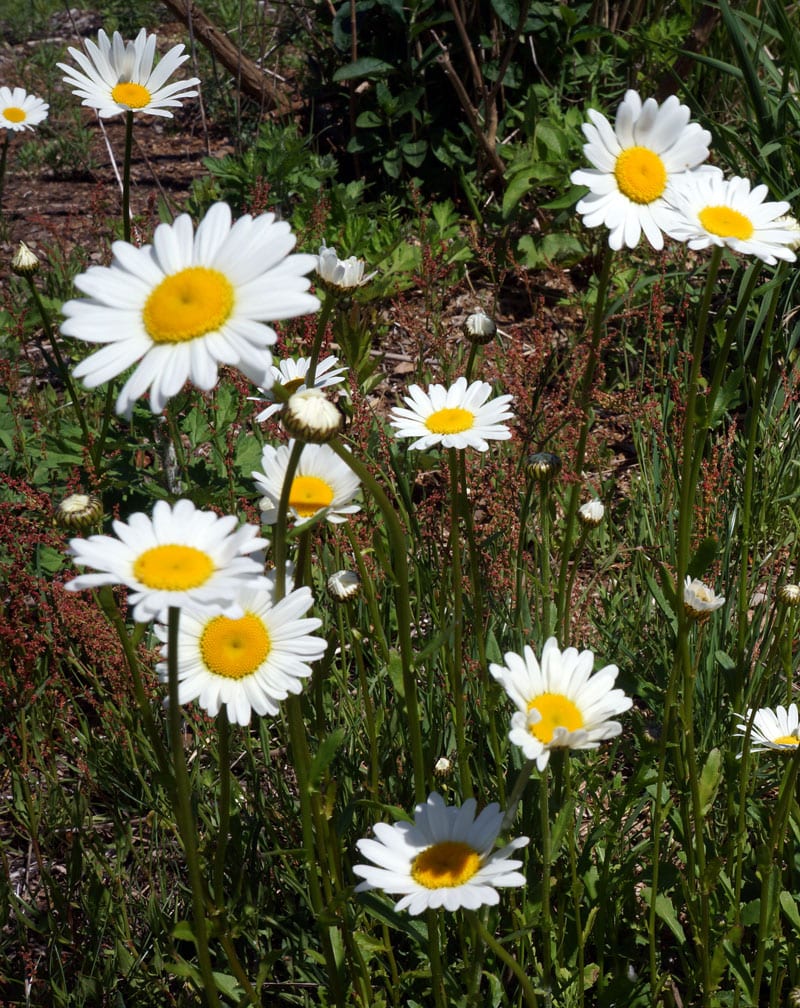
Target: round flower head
[(343, 585), (699, 600), (25, 262), (322, 484), (771, 729), (591, 513), (713, 210), (188, 303), (560, 703), (343, 274), (292, 375), (179, 557), (635, 165), (119, 76), (457, 417), (789, 594), (311, 416), (444, 858), (79, 511), (19, 110), (250, 663)]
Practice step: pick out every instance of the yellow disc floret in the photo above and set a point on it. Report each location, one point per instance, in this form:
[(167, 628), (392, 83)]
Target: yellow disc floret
[(173, 568), (450, 421), (445, 865), (640, 175), (309, 494), (135, 96), (787, 740), (235, 648), (557, 711), (188, 304), (726, 222), (14, 114)]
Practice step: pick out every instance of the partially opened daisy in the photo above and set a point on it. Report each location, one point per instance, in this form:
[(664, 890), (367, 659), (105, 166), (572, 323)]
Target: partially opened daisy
[(119, 76), (560, 703), (460, 416), (771, 729), (341, 274), (635, 165), (20, 110), (246, 664), (714, 210), (322, 483), (699, 600), (179, 557), (292, 375), (188, 303), (444, 858)]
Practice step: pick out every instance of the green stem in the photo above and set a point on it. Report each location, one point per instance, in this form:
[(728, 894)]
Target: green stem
[(322, 323), (576, 886), (522, 977), (126, 178), (224, 804), (546, 573), (3, 161), (547, 856), (456, 662), (187, 826), (279, 544), (516, 793), (584, 401), (435, 954)]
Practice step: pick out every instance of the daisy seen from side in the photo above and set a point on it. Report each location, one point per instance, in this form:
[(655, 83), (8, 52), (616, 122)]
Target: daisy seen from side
[(247, 664), (461, 416), (178, 557), (322, 484), (560, 703), (777, 729), (188, 303), (118, 76), (727, 212), (341, 274), (444, 858), (20, 110), (699, 601), (635, 164), (291, 373)]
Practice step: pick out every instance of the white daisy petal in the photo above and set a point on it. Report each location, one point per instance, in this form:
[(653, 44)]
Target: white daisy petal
[(455, 417), (21, 111), (771, 729)]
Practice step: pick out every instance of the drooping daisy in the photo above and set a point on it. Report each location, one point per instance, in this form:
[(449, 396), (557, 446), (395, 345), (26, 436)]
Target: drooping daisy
[(560, 703), (635, 165), (772, 729), (322, 483), (189, 302), (713, 210), (444, 858), (291, 374), (245, 664), (20, 110), (341, 274), (699, 600), (457, 417), (179, 557), (119, 76)]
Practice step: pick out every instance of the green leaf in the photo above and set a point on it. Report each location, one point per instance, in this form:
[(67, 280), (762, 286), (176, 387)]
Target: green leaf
[(329, 747), (367, 66), (789, 906), (710, 778), (704, 557), (666, 912)]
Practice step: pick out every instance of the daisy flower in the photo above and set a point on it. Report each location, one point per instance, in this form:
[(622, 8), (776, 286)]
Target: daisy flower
[(19, 110), (699, 600), (179, 557), (713, 210), (341, 274), (291, 374), (119, 76), (457, 417), (635, 164), (444, 858), (771, 729), (322, 483), (245, 664), (561, 705), (188, 303)]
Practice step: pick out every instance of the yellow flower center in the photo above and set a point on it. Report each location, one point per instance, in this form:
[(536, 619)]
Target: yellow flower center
[(135, 96), (235, 648), (452, 420), (188, 304), (293, 384), (557, 711), (173, 568), (14, 114), (726, 222), (309, 494), (640, 175), (445, 865), (786, 740)]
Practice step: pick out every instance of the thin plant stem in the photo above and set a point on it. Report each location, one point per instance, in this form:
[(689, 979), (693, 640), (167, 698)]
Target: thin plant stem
[(126, 178), (547, 854), (322, 323), (3, 162), (435, 955), (223, 803), (522, 978), (575, 883), (456, 663), (516, 793), (546, 573), (279, 551)]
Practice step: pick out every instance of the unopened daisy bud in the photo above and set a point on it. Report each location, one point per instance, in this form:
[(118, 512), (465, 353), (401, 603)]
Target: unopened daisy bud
[(79, 511), (794, 998), (591, 513), (442, 767), (544, 466), (310, 416), (25, 262), (479, 328), (343, 585), (789, 594), (699, 601)]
